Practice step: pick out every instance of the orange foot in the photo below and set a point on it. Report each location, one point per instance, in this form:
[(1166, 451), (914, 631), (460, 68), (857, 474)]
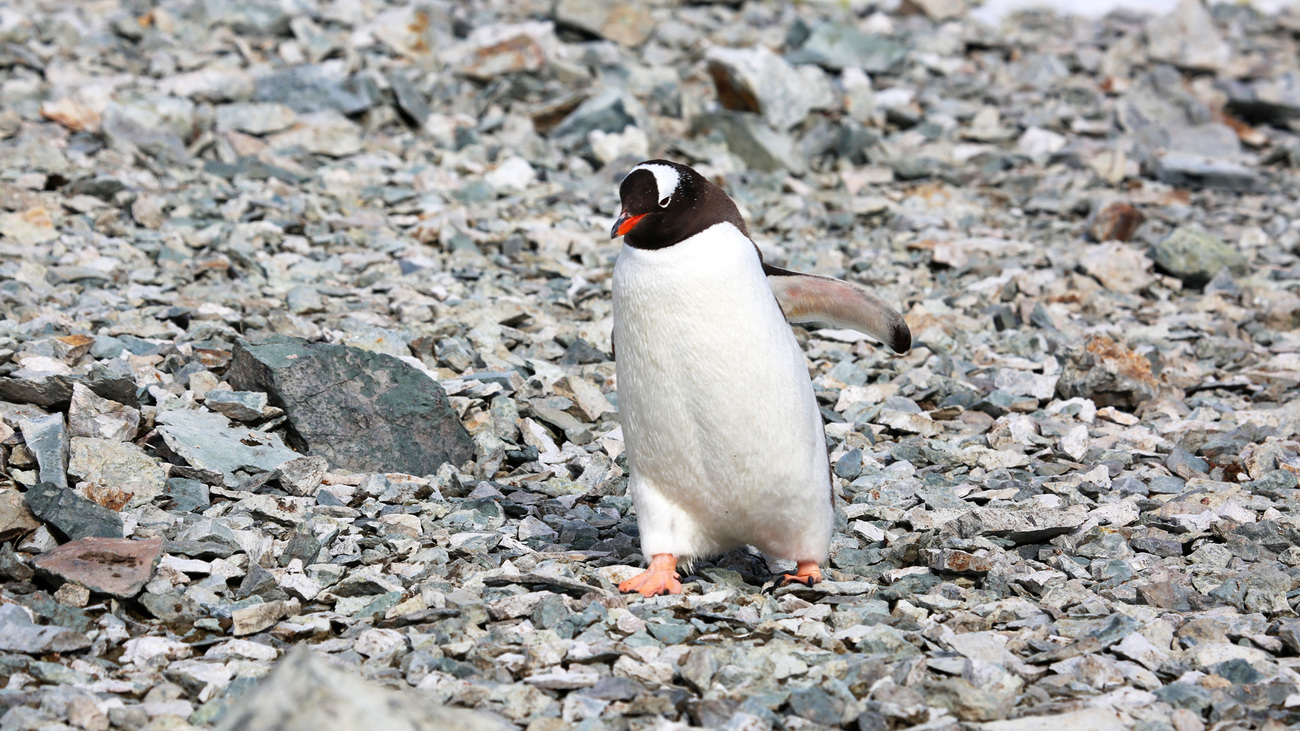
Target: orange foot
[(660, 578), (808, 573)]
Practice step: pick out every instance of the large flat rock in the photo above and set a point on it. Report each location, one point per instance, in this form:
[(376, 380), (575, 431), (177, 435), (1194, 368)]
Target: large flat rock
[(358, 409)]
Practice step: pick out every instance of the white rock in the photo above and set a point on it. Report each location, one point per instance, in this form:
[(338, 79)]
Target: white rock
[(1040, 144), (512, 175), (142, 650), (380, 643)]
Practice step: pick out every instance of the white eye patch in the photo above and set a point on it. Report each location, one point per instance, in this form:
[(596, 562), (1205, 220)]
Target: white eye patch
[(666, 180)]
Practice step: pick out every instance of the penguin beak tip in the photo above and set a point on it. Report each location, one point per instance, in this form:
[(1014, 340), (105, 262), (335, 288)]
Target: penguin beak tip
[(624, 224)]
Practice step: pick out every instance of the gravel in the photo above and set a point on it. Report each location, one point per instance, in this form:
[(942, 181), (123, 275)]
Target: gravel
[(308, 403)]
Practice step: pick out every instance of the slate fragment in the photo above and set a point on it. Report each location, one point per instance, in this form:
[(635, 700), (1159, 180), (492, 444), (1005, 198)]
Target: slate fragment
[(358, 409)]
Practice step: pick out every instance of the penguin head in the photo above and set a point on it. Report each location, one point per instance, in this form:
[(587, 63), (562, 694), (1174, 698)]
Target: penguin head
[(666, 202)]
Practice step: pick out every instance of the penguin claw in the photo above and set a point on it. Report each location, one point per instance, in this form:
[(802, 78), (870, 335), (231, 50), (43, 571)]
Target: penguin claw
[(808, 574), (660, 578)]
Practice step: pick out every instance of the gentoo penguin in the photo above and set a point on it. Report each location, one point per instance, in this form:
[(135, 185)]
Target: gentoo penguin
[(724, 440)]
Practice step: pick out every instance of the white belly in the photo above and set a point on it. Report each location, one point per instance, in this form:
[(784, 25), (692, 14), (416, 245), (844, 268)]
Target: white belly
[(724, 440)]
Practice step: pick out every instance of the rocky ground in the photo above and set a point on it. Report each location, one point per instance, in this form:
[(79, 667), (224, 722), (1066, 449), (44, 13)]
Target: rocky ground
[(306, 342)]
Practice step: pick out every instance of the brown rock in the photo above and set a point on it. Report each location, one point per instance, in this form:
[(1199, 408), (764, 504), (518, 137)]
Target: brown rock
[(959, 562), (254, 619), (118, 567), (70, 348), (16, 519), (71, 114), (625, 23), (1116, 221), (1108, 373)]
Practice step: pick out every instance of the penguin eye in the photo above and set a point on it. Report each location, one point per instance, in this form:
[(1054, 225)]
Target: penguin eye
[(664, 202)]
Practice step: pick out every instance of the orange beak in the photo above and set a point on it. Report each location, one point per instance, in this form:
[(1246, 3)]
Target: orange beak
[(624, 224)]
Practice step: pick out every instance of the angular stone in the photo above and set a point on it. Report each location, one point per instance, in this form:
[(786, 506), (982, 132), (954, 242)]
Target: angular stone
[(55, 391), (1108, 373), (254, 619), (18, 633), (757, 80), (315, 88), (237, 405), (1023, 525), (304, 694), (16, 519), (324, 133), (360, 410), (958, 562), (90, 415), (626, 23), (610, 111), (838, 46), (1195, 256), (206, 440), (761, 147), (70, 514), (211, 84), (1188, 38), (115, 566), (256, 118), (1119, 267), (117, 473), (1184, 169), (410, 99), (47, 440), (968, 702), (506, 48), (302, 476), (187, 495)]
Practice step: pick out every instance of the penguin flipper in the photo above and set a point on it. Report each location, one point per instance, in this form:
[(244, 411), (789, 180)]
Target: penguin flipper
[(807, 298)]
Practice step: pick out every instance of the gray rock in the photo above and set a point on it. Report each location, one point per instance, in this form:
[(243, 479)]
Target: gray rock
[(302, 476), (758, 145), (410, 99), (311, 88), (238, 405), (1275, 100), (968, 702), (206, 440), (359, 410), (757, 80), (1195, 256), (1106, 372), (608, 111), (47, 440), (1030, 525), (1187, 37), (55, 391), (70, 514), (115, 472), (18, 633), (305, 694), (255, 118), (837, 46), (1192, 170), (187, 495), (157, 126), (90, 415)]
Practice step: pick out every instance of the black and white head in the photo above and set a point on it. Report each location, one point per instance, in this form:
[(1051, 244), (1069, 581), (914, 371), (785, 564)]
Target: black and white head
[(666, 202)]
